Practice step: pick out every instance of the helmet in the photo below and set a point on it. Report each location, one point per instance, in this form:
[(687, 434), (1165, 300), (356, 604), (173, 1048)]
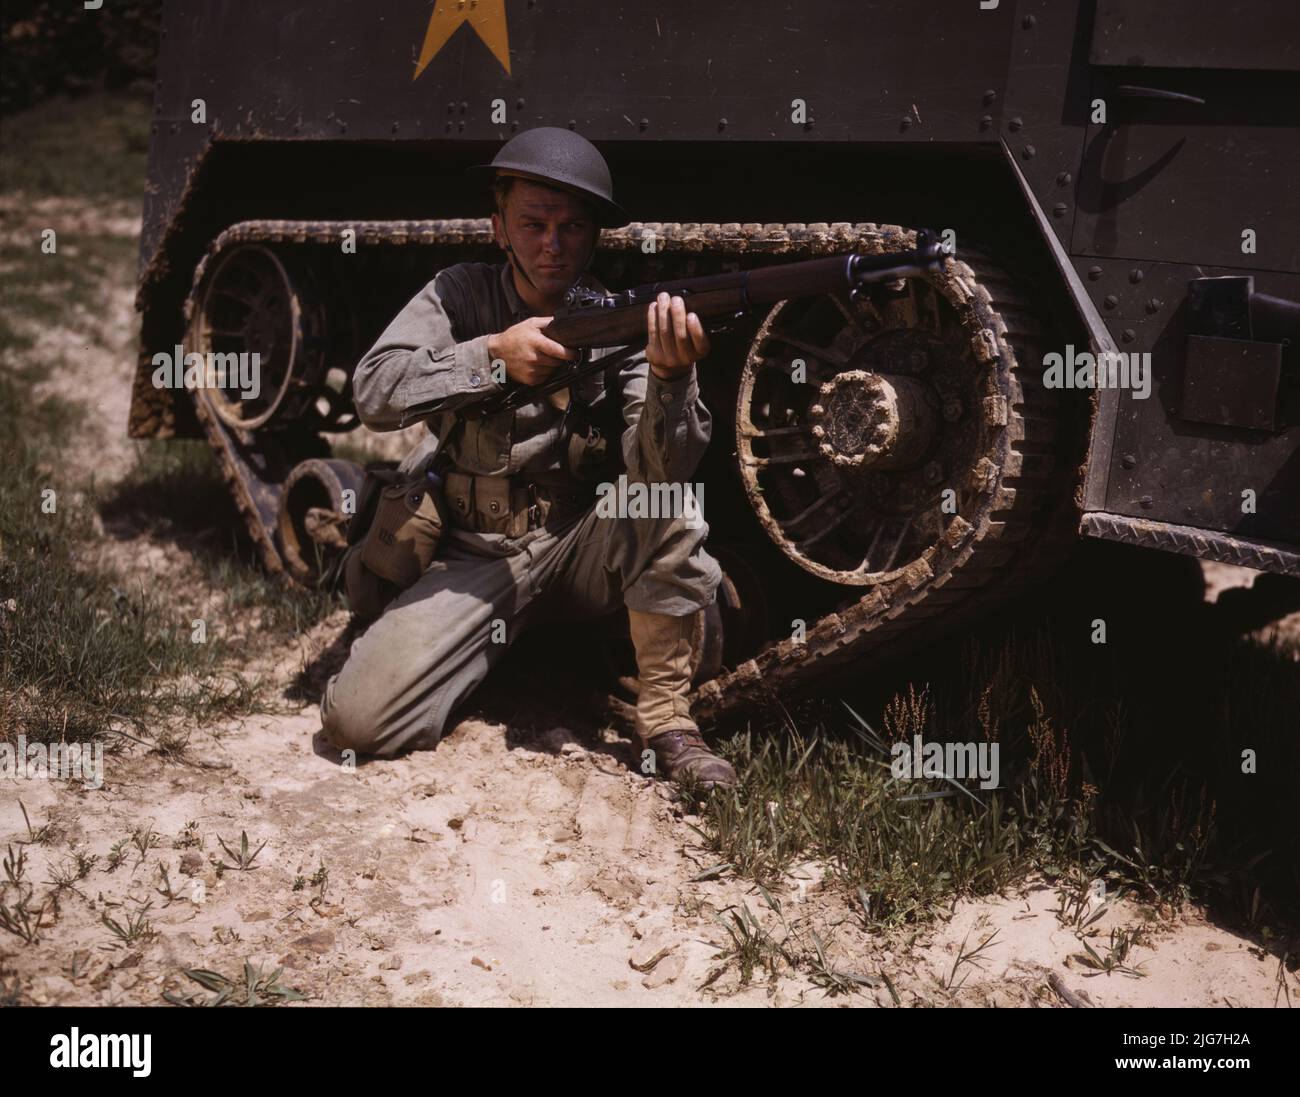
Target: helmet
[(561, 158)]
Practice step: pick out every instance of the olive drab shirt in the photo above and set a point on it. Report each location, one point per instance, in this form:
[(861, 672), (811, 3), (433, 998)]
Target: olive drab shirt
[(436, 349)]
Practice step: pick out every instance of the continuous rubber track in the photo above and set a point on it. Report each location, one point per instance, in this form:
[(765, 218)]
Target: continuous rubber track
[(1025, 516)]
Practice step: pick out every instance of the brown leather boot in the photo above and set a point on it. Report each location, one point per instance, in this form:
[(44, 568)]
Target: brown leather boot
[(663, 713)]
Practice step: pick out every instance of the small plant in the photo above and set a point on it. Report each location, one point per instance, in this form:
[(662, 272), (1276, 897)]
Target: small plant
[(243, 858), (1122, 942), (255, 989), (35, 835), (117, 854), (752, 948), (830, 978), (20, 920), (165, 889), (171, 745), (964, 957), (320, 881), (15, 867), (135, 927), (144, 839), (188, 838), (70, 873), (1076, 911)]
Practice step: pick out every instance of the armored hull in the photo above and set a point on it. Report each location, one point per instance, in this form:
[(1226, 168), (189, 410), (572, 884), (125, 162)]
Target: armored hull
[(883, 468)]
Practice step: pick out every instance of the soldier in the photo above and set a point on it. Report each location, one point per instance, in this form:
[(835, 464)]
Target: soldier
[(525, 541)]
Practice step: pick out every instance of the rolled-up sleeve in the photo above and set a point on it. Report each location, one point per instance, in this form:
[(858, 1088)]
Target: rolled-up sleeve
[(418, 359), (668, 426)]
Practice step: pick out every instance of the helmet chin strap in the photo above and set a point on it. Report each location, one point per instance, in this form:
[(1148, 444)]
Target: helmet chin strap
[(514, 259)]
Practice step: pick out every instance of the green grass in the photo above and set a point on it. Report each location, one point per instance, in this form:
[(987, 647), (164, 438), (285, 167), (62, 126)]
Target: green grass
[(174, 492), (1115, 766), (85, 647), (90, 147)]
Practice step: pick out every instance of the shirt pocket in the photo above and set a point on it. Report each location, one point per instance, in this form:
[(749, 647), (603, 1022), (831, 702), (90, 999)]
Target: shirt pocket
[(485, 445)]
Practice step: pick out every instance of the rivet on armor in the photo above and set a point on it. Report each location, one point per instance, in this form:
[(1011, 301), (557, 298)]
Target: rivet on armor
[(1111, 301), (1129, 461)]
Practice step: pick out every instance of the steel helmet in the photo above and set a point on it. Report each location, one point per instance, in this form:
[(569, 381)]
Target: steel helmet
[(561, 158)]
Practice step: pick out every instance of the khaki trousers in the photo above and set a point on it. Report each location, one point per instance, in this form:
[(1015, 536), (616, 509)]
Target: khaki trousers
[(438, 639)]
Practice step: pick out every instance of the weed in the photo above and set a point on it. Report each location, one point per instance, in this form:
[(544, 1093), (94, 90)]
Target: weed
[(965, 957), (255, 989), (1122, 942), (35, 835), (242, 857), (133, 928), (144, 839)]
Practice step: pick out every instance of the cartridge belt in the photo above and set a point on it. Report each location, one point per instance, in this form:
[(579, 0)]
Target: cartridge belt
[(510, 505)]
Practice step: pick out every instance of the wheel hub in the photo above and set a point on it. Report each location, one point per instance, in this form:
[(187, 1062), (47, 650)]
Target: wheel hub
[(872, 420)]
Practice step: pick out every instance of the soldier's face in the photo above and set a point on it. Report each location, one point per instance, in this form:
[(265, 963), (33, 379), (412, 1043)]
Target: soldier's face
[(552, 234)]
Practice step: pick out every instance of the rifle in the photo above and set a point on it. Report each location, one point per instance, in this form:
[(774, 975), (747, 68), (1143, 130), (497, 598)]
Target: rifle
[(591, 319)]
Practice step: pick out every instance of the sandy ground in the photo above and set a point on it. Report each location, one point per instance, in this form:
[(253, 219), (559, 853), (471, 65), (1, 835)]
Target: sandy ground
[(504, 868), (511, 866)]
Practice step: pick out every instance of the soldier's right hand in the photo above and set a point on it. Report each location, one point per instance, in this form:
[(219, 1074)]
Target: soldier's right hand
[(530, 357)]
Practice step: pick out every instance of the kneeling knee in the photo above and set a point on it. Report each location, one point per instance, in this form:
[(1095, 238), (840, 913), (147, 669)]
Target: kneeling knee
[(348, 723)]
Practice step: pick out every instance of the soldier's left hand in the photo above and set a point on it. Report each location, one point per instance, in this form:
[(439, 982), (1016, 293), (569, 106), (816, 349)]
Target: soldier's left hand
[(675, 340)]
